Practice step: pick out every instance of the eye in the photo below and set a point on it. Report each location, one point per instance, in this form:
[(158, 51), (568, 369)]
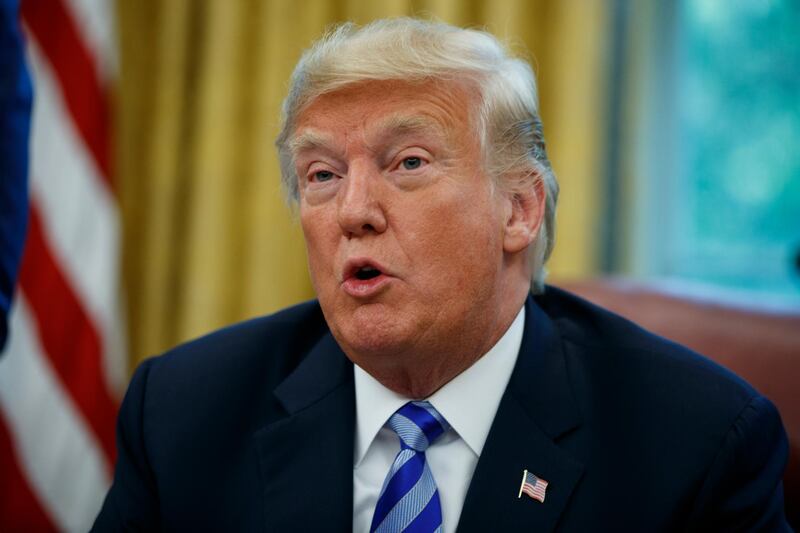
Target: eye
[(322, 175), (411, 163)]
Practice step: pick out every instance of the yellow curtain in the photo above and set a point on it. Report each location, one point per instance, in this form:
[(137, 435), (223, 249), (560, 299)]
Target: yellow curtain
[(207, 238)]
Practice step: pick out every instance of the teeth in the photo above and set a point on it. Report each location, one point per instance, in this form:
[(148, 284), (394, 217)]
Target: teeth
[(368, 269)]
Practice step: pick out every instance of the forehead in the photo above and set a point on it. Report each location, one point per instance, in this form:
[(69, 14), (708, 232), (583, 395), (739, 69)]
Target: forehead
[(380, 109)]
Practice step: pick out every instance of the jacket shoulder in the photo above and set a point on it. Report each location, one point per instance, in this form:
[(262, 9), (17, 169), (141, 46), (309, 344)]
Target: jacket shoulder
[(194, 411), (232, 370), (270, 346), (715, 445), (616, 349)]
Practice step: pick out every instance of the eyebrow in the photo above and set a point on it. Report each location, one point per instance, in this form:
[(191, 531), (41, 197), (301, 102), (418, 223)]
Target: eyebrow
[(388, 128), (309, 140), (395, 125)]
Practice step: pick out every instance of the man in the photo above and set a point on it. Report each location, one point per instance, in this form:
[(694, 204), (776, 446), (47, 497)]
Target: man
[(427, 389)]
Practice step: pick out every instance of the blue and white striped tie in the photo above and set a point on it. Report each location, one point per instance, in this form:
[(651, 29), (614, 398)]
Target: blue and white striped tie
[(409, 500)]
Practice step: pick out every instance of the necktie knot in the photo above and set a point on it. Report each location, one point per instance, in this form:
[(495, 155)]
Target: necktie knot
[(418, 425)]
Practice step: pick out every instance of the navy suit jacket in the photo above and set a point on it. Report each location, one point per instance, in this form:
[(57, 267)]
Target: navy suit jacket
[(251, 429)]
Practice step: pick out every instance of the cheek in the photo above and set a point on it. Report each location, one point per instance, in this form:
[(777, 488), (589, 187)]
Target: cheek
[(319, 244), (456, 242)]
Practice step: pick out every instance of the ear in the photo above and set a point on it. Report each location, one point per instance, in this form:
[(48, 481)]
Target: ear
[(524, 218)]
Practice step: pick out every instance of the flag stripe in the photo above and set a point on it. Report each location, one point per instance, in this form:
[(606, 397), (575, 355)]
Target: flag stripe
[(69, 339), (81, 218), (533, 490), (20, 510), (55, 30), (94, 19), (56, 450)]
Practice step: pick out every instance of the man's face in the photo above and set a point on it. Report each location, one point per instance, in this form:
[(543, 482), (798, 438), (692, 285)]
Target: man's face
[(403, 228)]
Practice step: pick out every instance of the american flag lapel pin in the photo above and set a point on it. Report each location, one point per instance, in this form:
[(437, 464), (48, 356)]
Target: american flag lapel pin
[(533, 486)]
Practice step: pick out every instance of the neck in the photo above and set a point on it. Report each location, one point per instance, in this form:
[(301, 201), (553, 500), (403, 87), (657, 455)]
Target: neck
[(418, 372)]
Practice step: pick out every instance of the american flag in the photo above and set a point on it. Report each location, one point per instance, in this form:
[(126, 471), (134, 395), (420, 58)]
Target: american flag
[(64, 362), (533, 486)]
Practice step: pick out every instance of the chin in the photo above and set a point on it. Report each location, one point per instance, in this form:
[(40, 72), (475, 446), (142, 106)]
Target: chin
[(373, 331)]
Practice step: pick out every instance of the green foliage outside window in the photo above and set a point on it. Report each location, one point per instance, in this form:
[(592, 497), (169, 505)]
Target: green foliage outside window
[(738, 126)]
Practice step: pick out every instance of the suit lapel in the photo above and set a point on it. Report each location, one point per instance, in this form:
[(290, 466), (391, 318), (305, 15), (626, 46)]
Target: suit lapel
[(306, 459), (536, 409)]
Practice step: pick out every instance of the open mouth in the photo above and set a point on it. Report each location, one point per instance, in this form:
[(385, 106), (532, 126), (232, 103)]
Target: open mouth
[(365, 278), (366, 273)]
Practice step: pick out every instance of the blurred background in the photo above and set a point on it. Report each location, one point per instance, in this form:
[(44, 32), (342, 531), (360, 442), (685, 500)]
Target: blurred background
[(156, 208)]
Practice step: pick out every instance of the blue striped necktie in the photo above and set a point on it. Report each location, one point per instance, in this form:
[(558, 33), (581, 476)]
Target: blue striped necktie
[(409, 500)]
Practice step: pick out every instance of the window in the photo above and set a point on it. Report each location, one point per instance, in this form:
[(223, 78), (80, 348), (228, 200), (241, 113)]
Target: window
[(721, 148)]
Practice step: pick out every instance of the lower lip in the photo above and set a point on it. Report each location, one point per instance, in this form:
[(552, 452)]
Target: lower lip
[(365, 288)]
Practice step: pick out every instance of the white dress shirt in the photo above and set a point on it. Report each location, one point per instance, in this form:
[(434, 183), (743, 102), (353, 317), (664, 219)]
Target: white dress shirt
[(468, 403)]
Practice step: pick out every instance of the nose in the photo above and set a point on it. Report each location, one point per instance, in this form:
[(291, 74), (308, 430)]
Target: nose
[(360, 210)]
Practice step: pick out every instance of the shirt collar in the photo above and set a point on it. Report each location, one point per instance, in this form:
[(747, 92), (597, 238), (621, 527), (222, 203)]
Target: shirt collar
[(469, 414)]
